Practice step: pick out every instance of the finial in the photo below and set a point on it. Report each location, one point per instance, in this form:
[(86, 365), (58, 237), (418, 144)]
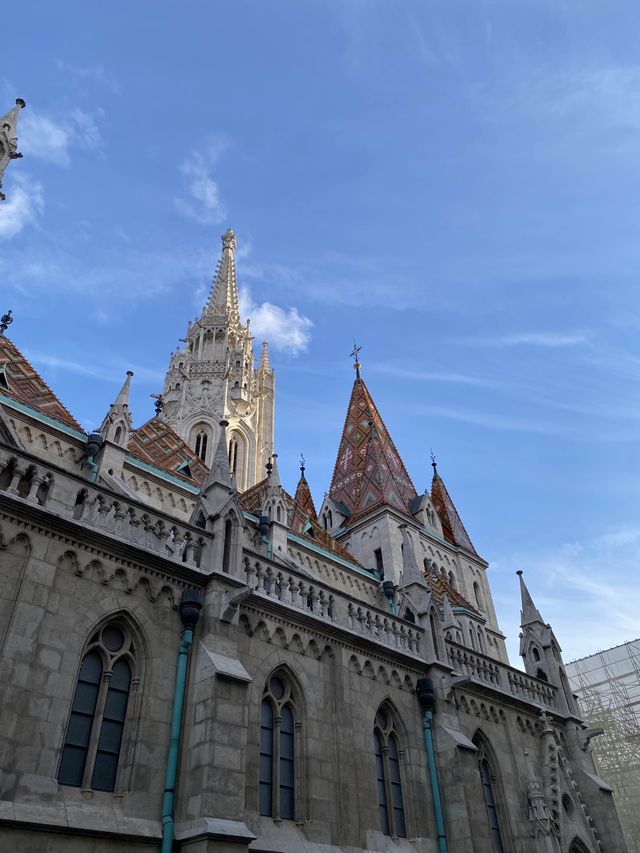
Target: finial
[(434, 464), (354, 355), (20, 102), (519, 573), (159, 404), (5, 321), (302, 468), (228, 240)]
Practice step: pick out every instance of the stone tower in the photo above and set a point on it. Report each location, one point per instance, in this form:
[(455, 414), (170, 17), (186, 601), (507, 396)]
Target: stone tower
[(213, 378)]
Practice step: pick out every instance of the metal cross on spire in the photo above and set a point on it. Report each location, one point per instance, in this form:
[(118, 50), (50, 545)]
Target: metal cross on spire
[(354, 355), (302, 465)]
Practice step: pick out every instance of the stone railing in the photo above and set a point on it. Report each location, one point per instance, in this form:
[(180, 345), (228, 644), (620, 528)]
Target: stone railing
[(481, 668), (94, 507), (312, 596)]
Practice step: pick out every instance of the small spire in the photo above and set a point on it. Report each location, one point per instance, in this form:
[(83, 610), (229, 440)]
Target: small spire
[(264, 365), (223, 298), (219, 471), (529, 612), (6, 320), (355, 355), (123, 397), (448, 619)]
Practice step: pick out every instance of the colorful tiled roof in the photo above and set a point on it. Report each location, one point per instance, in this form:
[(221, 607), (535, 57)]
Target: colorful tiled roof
[(254, 497), (303, 510), (440, 586), (26, 386), (157, 444), (368, 471), (452, 526)]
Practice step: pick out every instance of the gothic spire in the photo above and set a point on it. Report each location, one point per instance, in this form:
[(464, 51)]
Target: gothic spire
[(223, 298), (8, 139), (303, 510), (529, 612), (264, 366), (117, 423), (452, 526), (368, 470), (123, 397)]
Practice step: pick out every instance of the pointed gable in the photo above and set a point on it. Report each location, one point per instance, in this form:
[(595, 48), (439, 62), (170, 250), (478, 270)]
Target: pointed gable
[(452, 526), (157, 444), (368, 471), (25, 385), (304, 510)]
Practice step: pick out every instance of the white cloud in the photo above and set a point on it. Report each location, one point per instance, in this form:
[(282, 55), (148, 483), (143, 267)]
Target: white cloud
[(203, 204), (23, 206), (284, 330), (104, 372), (586, 589), (95, 73), (51, 139)]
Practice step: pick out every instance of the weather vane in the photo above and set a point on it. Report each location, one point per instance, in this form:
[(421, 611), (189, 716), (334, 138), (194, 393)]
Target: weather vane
[(302, 464), (5, 321), (354, 355), (434, 464)]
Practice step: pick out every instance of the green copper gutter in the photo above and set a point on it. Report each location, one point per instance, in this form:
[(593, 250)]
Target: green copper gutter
[(190, 607), (426, 699)]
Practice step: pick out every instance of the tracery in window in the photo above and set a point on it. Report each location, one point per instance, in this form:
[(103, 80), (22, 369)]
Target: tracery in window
[(278, 750), (201, 442), (388, 775), (94, 737)]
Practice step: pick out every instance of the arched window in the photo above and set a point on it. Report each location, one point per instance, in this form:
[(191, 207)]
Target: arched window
[(535, 653), (577, 847), (200, 446), (488, 781), (226, 550), (478, 595), (452, 579), (277, 779), (434, 635), (388, 776), (93, 741), (118, 436)]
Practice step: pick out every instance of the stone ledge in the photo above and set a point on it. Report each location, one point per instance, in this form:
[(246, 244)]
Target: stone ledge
[(213, 827), (79, 819)]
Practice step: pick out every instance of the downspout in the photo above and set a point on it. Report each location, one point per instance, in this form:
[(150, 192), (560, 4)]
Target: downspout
[(190, 607), (388, 587), (264, 526), (427, 703)]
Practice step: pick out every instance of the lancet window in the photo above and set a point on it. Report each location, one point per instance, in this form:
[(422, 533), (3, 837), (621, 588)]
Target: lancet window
[(278, 750), (97, 722), (488, 780), (388, 775)]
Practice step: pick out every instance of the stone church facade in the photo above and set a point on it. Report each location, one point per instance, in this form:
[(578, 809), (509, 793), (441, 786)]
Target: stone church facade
[(193, 659)]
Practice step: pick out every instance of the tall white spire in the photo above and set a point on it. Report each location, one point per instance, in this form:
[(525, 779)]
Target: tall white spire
[(223, 297)]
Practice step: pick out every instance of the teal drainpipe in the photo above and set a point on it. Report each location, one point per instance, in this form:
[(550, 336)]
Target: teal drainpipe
[(190, 607), (389, 590), (94, 443), (427, 702)]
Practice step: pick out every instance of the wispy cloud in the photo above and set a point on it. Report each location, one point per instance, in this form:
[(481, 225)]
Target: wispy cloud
[(597, 576), (52, 139), (284, 329), (113, 372), (549, 340), (24, 205), (203, 203), (437, 376), (95, 73)]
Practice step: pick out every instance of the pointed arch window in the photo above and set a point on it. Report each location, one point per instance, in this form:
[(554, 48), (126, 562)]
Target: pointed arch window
[(201, 445), (488, 781), (388, 776), (278, 750), (94, 737)]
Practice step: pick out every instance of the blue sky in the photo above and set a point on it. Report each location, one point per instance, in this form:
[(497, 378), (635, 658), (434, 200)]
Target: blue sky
[(455, 184)]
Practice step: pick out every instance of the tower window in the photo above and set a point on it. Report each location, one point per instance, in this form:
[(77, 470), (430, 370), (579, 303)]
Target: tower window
[(201, 445), (379, 561), (277, 772)]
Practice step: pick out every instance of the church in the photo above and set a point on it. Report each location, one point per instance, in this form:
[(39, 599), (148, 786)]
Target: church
[(194, 657)]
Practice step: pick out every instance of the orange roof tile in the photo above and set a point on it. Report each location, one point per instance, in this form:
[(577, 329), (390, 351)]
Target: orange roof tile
[(440, 587), (452, 527), (157, 444), (26, 386), (368, 471), (303, 509)]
